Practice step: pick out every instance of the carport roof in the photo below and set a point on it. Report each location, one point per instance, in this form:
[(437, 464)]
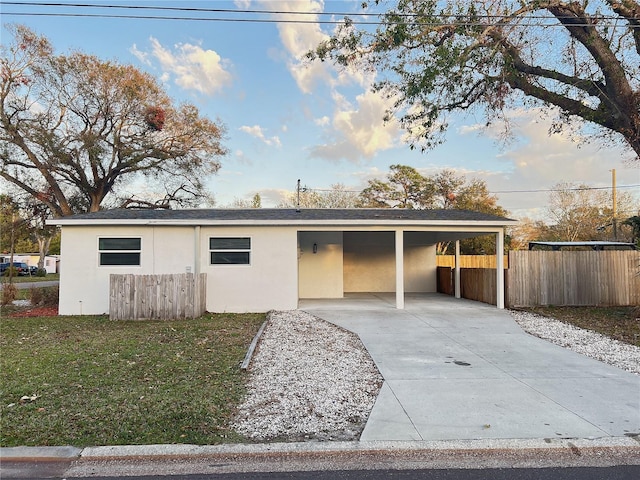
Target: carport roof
[(284, 216)]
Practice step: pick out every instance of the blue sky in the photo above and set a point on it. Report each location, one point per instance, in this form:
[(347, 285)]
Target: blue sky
[(287, 120)]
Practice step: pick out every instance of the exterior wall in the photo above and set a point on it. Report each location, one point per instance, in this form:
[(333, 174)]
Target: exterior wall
[(270, 282), (84, 285), (321, 273), (420, 268), (369, 263)]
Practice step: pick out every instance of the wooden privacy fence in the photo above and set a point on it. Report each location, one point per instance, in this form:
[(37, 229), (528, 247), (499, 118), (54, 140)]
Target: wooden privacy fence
[(610, 277), (161, 297), (470, 261), (475, 283)]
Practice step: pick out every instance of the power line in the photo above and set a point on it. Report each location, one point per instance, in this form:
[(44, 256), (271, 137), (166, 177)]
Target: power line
[(457, 20), (575, 189), (542, 190)]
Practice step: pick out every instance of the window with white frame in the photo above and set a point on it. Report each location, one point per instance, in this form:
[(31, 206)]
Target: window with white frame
[(119, 251), (230, 250)]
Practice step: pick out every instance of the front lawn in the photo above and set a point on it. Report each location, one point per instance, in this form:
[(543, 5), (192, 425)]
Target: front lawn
[(91, 381)]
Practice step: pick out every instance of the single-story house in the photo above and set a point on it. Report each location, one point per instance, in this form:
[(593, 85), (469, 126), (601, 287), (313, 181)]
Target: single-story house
[(263, 259)]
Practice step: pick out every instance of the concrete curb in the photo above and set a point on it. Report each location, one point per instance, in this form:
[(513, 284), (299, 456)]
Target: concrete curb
[(39, 453), (576, 446)]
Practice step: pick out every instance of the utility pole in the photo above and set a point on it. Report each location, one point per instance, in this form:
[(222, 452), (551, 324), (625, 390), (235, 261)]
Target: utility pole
[(299, 189), (615, 205)]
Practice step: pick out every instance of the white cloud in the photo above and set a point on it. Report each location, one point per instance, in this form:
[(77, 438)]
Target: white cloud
[(272, 197), (537, 161), (359, 131), (299, 38), (140, 55), (190, 66), (257, 132)]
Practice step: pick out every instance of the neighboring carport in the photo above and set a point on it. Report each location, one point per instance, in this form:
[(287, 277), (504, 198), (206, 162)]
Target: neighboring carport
[(387, 250)]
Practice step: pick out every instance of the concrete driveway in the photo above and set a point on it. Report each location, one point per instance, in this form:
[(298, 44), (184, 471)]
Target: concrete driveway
[(458, 369)]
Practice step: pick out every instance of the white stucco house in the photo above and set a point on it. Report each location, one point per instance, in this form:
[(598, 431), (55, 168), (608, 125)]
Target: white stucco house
[(262, 259)]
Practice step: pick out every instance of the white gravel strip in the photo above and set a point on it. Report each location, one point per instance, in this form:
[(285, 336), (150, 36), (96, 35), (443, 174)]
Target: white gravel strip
[(310, 380), (586, 342)]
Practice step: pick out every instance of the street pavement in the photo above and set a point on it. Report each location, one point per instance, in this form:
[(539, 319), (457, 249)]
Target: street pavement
[(25, 285)]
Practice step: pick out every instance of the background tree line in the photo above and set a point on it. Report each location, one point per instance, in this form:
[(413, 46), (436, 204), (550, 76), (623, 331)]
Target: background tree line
[(575, 212)]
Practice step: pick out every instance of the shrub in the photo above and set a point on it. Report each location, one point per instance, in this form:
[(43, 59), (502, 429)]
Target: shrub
[(11, 271), (44, 296), (41, 272), (9, 293)]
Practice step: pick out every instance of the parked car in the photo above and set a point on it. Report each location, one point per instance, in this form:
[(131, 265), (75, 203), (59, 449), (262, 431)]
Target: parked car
[(20, 267)]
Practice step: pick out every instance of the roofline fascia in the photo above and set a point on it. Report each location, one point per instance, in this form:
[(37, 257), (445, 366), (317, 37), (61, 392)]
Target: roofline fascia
[(284, 223)]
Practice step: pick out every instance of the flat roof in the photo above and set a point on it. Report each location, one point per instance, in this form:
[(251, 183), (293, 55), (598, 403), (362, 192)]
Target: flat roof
[(284, 216)]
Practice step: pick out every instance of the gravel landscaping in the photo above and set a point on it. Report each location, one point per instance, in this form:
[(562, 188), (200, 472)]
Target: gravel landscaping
[(310, 380), (591, 344)]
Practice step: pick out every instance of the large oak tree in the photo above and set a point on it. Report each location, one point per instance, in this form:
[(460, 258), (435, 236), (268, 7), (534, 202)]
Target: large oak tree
[(439, 56), (75, 130)]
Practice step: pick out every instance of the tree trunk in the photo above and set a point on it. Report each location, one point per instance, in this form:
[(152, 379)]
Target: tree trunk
[(44, 242)]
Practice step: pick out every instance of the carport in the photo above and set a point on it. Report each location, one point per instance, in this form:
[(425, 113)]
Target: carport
[(388, 251)]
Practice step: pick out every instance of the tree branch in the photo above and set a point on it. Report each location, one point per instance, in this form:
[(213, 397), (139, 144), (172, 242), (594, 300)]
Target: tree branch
[(630, 10)]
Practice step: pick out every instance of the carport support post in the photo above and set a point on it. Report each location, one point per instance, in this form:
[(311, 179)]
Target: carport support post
[(500, 269), (399, 269), (456, 273)]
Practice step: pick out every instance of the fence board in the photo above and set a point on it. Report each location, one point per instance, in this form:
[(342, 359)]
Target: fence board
[(478, 284), (574, 278), (170, 296), (445, 280), (470, 261)]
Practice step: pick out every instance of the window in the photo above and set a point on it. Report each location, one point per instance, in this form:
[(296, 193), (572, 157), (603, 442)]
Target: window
[(119, 251), (230, 251)]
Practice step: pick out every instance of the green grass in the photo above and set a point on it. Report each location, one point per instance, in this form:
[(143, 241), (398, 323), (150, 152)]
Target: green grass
[(33, 279), (100, 382)]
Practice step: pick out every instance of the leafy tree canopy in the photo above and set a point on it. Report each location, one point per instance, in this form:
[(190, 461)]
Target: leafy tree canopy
[(405, 187), (15, 234), (440, 56), (76, 130)]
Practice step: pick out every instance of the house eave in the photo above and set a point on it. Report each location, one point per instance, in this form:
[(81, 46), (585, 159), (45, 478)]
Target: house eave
[(285, 223)]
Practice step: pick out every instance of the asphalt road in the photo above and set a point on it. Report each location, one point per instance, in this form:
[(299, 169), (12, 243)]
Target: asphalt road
[(47, 283), (626, 472)]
